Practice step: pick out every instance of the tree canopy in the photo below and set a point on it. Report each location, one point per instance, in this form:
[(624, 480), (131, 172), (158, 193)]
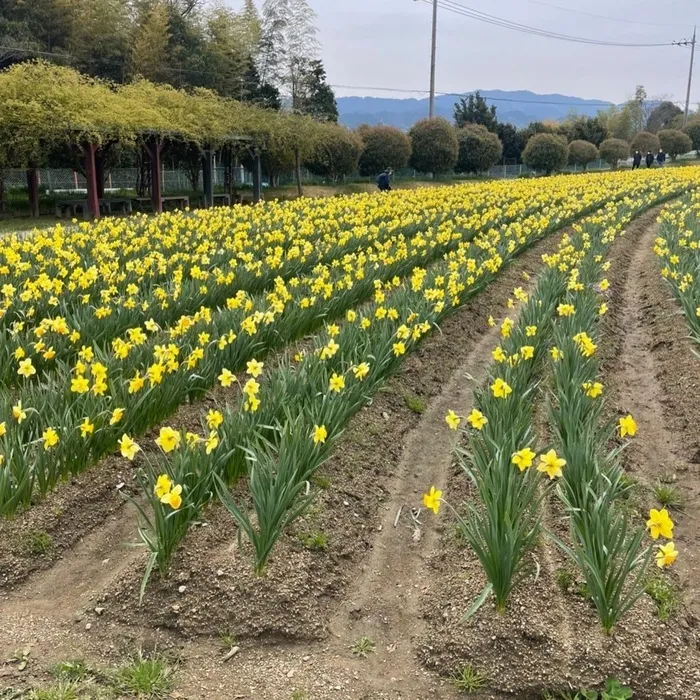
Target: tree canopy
[(546, 152), (45, 107), (434, 146), (479, 149), (384, 147)]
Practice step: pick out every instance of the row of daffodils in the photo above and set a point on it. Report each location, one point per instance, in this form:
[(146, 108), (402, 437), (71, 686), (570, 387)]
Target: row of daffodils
[(678, 248), (94, 286), (556, 338), (362, 280), (82, 388)]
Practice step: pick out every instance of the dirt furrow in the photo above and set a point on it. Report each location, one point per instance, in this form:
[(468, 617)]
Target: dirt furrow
[(656, 378)]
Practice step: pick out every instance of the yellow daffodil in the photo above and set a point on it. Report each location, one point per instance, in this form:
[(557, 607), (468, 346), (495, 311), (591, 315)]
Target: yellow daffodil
[(254, 368), (214, 419), (26, 368), (523, 459), (320, 434), (337, 383), (501, 389), (452, 420), (226, 378), (117, 415), (128, 447), (477, 419), (432, 500), (666, 555), (627, 426), (168, 439), (49, 438), (551, 464), (660, 524)]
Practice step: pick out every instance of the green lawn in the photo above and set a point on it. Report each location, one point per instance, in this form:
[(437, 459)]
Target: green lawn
[(17, 225)]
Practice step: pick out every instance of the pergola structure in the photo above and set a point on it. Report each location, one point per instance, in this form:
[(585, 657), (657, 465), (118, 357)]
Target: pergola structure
[(44, 107)]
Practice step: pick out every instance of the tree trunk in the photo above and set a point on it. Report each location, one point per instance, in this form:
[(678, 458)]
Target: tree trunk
[(100, 157), (297, 172), (33, 187)]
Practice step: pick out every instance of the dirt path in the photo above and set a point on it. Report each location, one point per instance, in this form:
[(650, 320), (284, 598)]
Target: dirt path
[(656, 379), (383, 604)]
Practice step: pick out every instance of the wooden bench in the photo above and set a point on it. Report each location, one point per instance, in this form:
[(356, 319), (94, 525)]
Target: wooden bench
[(144, 203), (72, 206)]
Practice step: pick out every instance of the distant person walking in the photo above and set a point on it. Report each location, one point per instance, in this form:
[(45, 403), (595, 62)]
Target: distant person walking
[(636, 160), (661, 157), (384, 181), (650, 159)]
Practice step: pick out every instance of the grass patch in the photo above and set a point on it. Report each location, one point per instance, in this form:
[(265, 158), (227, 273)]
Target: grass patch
[(71, 671), (144, 678), (35, 543), (565, 578), (665, 595), (315, 541), (323, 482), (669, 496), (363, 647), (64, 690), (468, 680), (228, 641), (415, 403)]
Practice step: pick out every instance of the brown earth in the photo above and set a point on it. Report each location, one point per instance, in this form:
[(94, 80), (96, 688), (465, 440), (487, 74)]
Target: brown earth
[(551, 639), (656, 377)]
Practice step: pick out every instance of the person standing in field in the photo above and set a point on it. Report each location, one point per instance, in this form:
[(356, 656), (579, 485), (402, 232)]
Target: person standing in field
[(650, 159), (636, 160), (384, 181), (661, 157)]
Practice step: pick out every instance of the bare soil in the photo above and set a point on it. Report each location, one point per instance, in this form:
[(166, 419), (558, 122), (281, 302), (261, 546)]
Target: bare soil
[(655, 376), (551, 639)]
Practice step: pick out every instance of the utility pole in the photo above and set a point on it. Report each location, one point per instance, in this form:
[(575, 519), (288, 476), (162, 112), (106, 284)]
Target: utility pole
[(433, 54), (690, 78)]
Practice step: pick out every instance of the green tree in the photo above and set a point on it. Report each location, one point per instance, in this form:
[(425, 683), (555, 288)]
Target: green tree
[(149, 52), (316, 97), (662, 116), (479, 149), (693, 131), (645, 141), (257, 92), (675, 143), (546, 152), (582, 153), (231, 43), (335, 154), (582, 128), (612, 151), (513, 142), (384, 147), (474, 110), (434, 146)]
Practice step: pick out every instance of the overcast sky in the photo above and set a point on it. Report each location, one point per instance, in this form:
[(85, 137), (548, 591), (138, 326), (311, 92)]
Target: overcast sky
[(386, 43)]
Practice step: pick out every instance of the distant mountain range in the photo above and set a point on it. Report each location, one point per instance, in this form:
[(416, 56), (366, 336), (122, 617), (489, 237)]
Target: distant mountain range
[(518, 107)]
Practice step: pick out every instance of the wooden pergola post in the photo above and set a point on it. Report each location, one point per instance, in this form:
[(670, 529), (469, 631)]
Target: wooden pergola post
[(208, 177), (257, 176), (33, 187), (154, 147), (93, 197)]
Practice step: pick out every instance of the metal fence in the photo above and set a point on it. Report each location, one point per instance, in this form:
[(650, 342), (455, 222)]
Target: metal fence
[(66, 180)]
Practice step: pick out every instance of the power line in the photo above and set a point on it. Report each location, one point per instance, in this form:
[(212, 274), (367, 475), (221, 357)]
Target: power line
[(465, 11), (605, 17)]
